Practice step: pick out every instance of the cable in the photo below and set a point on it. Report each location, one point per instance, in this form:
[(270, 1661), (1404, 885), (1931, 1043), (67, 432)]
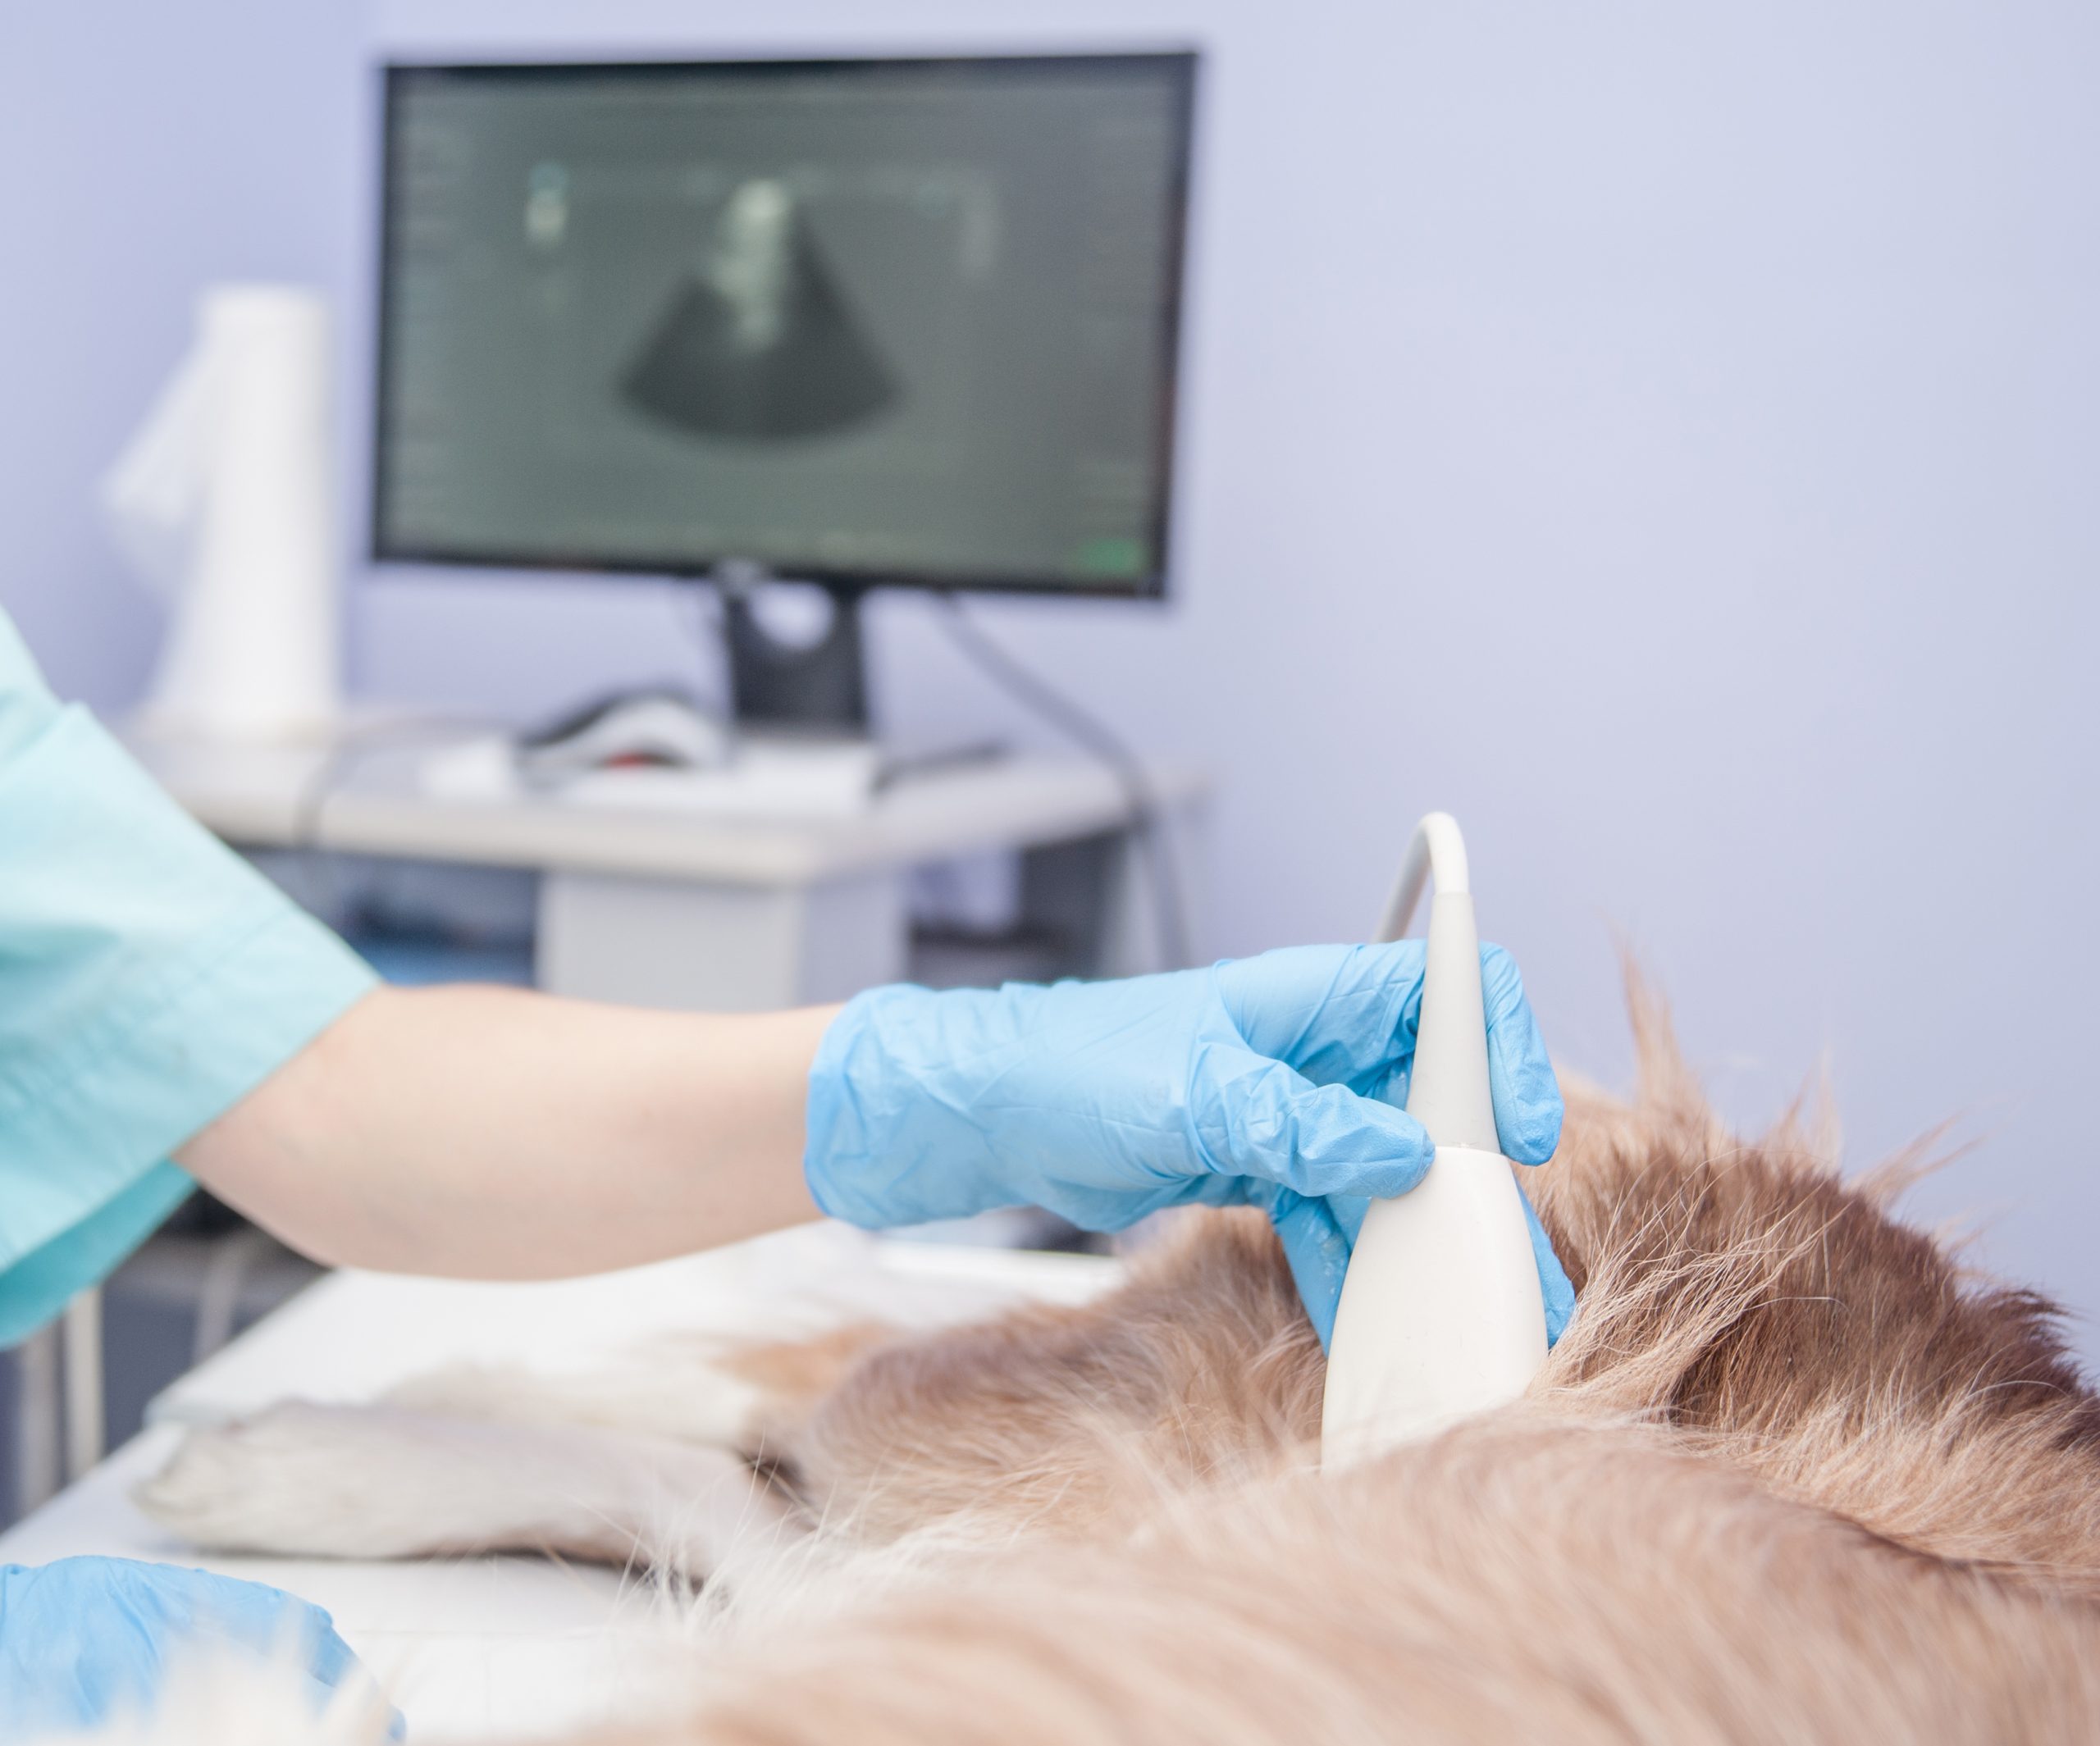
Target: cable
[(1093, 735), (226, 1268), (1436, 847), (334, 769), (704, 620)]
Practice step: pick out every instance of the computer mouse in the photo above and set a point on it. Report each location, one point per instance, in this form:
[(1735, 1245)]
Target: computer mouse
[(656, 729)]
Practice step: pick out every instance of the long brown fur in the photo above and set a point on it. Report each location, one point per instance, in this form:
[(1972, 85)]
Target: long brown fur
[(1788, 1476)]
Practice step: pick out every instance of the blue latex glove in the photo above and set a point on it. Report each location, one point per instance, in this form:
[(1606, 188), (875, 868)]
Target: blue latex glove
[(1271, 1082), (87, 1639)]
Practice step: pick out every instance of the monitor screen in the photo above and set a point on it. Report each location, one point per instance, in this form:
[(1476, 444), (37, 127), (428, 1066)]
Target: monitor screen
[(858, 322)]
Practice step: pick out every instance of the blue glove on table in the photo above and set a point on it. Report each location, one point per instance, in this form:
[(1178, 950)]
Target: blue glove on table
[(1271, 1081), (87, 1639)]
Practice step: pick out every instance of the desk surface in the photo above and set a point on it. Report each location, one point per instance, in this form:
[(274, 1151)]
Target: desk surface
[(365, 798), (475, 1646)]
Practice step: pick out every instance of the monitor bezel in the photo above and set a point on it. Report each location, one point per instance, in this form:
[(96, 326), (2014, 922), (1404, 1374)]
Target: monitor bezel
[(1181, 65)]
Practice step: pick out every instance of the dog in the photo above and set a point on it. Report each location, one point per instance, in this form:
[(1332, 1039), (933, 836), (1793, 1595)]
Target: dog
[(1790, 1475)]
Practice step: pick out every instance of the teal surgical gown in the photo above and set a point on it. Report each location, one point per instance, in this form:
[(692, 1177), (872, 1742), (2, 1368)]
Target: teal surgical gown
[(149, 978)]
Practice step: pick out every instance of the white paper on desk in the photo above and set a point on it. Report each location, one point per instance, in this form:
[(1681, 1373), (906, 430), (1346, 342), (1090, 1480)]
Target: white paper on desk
[(766, 779)]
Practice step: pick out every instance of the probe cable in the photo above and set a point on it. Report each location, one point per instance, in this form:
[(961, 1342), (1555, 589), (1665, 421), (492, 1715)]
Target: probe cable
[(1101, 741)]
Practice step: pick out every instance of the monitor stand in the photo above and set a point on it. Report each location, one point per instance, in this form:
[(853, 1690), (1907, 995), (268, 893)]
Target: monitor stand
[(818, 688), (816, 692)]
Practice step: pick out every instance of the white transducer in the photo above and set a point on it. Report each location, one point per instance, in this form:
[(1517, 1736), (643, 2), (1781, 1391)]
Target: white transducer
[(1441, 1315)]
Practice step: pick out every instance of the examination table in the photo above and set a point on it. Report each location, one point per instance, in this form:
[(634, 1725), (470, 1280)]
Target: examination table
[(519, 1645)]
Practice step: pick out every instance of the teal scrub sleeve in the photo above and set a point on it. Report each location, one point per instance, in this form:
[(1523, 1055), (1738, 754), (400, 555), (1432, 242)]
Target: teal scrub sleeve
[(149, 977)]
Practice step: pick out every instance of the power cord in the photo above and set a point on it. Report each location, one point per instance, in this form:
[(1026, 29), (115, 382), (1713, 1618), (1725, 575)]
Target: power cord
[(345, 754), (699, 611), (1101, 741)]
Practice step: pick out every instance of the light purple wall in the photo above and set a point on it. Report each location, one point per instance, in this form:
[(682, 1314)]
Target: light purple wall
[(1665, 436), (148, 148)]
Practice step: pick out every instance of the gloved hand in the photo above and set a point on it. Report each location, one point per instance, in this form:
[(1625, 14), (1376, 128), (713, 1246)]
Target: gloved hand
[(87, 1639), (1271, 1081), (1319, 1235)]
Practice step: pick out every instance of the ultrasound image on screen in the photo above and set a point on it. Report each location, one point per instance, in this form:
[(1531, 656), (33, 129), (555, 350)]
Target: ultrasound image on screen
[(869, 319), (761, 340)]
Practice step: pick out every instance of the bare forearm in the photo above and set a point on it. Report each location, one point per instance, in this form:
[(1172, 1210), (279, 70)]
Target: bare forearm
[(493, 1133)]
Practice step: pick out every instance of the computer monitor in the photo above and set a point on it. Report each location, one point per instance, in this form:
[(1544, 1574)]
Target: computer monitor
[(862, 322)]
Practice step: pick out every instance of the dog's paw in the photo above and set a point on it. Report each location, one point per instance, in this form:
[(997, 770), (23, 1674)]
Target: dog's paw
[(386, 1482), (311, 1481), (674, 1389)]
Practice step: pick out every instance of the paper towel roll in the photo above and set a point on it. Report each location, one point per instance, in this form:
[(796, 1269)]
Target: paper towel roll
[(224, 500)]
